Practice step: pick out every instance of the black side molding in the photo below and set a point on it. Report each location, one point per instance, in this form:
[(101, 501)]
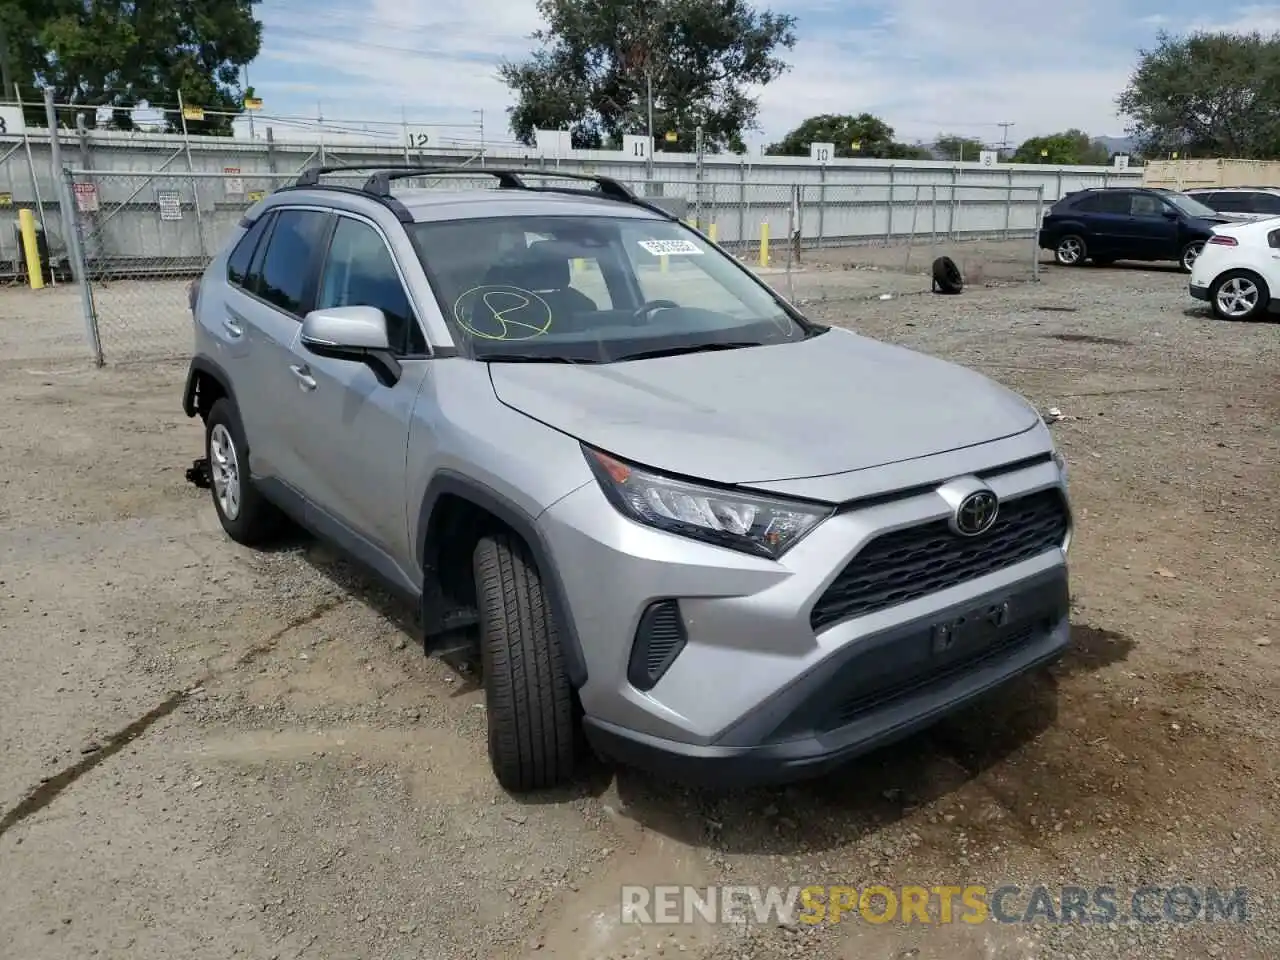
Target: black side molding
[(450, 483)]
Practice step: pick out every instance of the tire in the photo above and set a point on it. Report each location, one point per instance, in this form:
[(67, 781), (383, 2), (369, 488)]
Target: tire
[(1189, 253), (1239, 295), (946, 276), (532, 729), (1071, 251), (247, 517)]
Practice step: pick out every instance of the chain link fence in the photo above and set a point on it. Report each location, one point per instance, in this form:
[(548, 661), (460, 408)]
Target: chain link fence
[(145, 236)]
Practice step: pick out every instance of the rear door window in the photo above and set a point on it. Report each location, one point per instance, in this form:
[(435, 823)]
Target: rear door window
[(1117, 202), (1266, 203), (242, 255), (1227, 202)]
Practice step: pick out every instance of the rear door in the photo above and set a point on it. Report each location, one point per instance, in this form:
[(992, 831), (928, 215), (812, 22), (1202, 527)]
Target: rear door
[(1105, 216), (277, 294)]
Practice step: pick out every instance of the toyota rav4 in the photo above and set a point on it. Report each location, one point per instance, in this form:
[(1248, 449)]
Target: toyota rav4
[(721, 540)]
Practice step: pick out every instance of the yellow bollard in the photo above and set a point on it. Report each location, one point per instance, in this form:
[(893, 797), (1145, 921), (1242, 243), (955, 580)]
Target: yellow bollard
[(579, 264), (692, 221), (764, 244), (27, 227), (662, 263), (711, 232)]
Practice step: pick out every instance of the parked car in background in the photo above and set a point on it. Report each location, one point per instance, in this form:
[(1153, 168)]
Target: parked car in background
[(1105, 224), (1239, 271), (1239, 204)]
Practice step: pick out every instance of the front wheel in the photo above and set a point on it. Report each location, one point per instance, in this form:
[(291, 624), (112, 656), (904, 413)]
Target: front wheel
[(1071, 251), (1189, 255), (1239, 296), (529, 701)]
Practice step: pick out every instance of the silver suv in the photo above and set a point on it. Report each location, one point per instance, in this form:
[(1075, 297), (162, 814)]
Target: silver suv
[(725, 542), (1241, 204)]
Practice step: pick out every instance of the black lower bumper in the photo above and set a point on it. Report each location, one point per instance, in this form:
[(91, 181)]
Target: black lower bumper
[(1198, 292), (904, 701)]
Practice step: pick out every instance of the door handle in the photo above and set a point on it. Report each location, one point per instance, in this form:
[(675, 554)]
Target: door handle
[(303, 373), (233, 328)]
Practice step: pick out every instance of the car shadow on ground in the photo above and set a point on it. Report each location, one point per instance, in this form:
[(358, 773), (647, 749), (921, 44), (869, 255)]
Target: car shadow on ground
[(853, 801), (874, 791), (1136, 266)]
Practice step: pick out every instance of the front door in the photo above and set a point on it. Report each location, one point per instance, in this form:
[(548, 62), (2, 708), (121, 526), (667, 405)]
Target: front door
[(352, 430), (1154, 233)]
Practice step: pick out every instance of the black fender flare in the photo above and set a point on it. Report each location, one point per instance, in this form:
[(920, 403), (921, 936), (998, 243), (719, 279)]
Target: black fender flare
[(204, 367), (447, 482)]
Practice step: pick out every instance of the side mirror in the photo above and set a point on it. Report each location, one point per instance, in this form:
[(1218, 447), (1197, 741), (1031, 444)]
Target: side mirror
[(358, 334), (1170, 214)]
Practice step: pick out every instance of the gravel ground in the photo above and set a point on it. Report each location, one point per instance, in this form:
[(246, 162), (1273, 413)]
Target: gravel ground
[(211, 752)]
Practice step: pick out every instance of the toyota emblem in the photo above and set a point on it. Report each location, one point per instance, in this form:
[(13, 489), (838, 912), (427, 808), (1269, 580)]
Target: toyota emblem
[(976, 513)]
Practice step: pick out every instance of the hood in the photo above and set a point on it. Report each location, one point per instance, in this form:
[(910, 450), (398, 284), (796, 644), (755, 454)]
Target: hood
[(834, 403)]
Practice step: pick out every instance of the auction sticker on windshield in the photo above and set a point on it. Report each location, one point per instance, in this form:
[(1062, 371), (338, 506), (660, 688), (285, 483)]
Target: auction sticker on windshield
[(667, 248)]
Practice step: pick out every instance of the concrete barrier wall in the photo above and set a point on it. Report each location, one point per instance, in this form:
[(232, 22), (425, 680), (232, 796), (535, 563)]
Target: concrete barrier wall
[(215, 179)]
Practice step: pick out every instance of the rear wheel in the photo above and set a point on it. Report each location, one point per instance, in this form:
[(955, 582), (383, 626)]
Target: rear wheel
[(246, 516), (1071, 251), (1239, 295), (532, 728), (1189, 254)]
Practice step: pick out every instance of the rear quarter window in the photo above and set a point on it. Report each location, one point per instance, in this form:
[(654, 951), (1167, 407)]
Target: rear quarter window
[(242, 253)]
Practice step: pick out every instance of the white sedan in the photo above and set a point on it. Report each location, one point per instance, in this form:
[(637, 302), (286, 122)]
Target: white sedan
[(1238, 271)]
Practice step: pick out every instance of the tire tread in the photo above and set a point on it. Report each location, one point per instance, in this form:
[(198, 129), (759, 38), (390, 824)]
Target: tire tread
[(529, 699)]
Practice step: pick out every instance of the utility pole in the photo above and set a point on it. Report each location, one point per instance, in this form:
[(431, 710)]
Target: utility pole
[(1004, 139), (648, 153)]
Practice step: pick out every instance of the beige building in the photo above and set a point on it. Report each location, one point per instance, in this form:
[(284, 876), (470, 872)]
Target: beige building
[(1185, 174)]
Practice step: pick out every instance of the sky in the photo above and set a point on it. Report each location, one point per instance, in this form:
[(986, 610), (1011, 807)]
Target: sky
[(925, 66)]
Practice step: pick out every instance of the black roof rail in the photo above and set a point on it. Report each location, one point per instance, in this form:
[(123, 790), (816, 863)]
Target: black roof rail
[(310, 177), (378, 184)]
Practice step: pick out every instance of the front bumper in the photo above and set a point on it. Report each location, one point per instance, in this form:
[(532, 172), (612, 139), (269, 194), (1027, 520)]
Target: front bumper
[(883, 688), (763, 676)]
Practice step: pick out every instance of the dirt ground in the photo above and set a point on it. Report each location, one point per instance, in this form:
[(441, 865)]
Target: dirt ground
[(210, 752)]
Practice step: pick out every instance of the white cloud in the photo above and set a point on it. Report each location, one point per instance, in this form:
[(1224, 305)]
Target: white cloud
[(926, 66)]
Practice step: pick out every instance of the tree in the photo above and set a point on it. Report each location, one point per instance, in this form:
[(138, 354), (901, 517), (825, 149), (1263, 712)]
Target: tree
[(600, 57), (952, 146), (1207, 94), (873, 136), (119, 52), (1071, 147)]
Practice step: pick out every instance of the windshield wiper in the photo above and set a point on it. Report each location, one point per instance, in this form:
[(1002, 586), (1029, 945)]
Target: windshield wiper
[(531, 358), (688, 348)]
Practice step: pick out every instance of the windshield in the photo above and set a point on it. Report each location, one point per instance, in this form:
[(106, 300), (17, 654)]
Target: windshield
[(593, 289), (1189, 205)]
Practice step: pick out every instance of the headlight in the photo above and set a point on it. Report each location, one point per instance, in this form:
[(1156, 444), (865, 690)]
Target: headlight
[(740, 521), (1061, 461)]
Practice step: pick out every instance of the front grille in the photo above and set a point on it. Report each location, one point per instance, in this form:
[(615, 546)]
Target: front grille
[(915, 562)]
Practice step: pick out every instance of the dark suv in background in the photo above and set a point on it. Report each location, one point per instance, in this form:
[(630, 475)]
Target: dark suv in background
[(1105, 224)]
